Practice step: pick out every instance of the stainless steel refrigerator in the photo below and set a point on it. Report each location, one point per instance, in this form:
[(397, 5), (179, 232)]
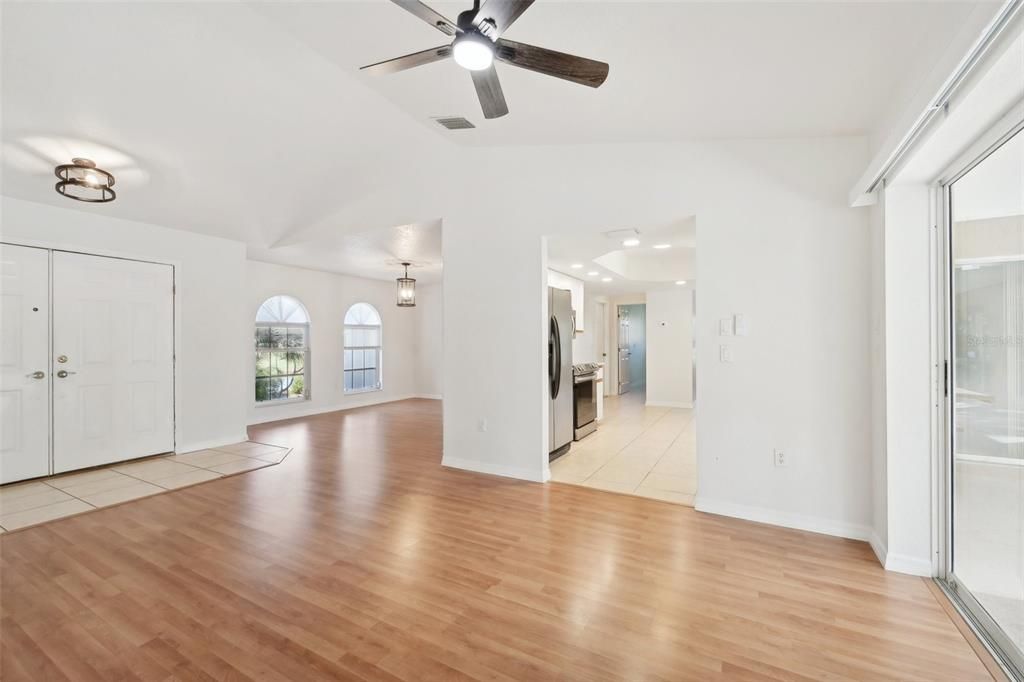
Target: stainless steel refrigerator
[(560, 331)]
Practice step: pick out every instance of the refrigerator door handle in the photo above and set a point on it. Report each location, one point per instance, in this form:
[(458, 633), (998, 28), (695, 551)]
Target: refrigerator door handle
[(556, 376)]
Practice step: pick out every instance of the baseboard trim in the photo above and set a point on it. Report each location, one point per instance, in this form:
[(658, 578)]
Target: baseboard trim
[(903, 563), (305, 410), (493, 469), (775, 517), (879, 547), (664, 403), (429, 396), (208, 444)]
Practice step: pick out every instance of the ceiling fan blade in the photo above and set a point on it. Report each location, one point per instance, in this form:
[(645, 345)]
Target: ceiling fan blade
[(558, 64), (428, 15), (488, 89), (408, 61), (500, 13)]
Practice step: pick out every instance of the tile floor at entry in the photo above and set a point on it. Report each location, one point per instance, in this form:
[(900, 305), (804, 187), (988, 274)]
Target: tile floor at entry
[(640, 450), (54, 497)]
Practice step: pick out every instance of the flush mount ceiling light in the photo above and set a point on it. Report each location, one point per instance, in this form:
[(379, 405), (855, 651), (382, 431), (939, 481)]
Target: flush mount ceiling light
[(406, 289), (593, 273), (606, 279), (632, 241), (681, 282), (576, 266), (662, 246), (81, 180)]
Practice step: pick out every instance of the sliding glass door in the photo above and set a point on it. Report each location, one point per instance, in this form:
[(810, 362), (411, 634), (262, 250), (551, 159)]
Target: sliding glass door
[(985, 563)]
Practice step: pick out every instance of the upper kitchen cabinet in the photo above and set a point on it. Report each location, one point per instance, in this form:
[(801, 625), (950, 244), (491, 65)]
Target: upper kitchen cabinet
[(575, 287)]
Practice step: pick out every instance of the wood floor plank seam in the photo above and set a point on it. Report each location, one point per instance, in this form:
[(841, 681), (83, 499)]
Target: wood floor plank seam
[(360, 557)]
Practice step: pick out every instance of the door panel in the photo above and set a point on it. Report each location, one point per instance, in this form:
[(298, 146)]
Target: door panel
[(113, 321), (987, 393), (24, 355)]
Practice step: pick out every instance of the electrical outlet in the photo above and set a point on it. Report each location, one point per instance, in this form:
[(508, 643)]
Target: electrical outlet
[(780, 458), (724, 353), (482, 426)]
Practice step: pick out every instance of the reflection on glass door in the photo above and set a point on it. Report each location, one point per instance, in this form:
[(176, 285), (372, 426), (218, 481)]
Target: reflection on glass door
[(986, 208)]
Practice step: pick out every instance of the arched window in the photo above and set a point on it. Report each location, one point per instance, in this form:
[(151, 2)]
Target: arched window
[(282, 350), (362, 349)]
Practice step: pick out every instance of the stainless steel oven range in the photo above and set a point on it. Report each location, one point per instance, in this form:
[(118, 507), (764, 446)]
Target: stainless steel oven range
[(584, 399)]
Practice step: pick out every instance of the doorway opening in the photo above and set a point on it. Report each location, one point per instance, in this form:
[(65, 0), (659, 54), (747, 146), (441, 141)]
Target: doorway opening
[(629, 308), (631, 356)]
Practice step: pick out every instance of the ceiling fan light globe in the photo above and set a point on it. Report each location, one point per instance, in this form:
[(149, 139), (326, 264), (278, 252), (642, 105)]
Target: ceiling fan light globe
[(473, 51)]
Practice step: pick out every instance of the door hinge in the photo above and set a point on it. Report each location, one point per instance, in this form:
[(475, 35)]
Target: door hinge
[(945, 378)]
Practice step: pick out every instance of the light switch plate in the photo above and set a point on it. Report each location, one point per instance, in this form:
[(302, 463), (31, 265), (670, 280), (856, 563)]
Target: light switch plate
[(725, 353), (740, 325), (725, 326)]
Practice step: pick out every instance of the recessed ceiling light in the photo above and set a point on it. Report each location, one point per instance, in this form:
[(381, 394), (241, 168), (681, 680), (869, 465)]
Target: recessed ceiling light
[(593, 273), (662, 246), (606, 279), (576, 266), (680, 281), (633, 241)]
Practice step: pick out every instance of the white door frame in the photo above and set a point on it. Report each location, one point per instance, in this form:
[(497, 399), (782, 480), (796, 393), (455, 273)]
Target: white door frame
[(122, 255)]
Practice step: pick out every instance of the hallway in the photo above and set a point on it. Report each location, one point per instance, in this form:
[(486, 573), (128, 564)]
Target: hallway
[(645, 451)]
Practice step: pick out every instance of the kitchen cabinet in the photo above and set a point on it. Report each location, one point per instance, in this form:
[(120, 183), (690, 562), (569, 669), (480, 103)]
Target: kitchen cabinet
[(575, 288)]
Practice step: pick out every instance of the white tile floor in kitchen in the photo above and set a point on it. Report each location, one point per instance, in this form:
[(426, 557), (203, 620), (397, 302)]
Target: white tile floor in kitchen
[(54, 497), (640, 450)]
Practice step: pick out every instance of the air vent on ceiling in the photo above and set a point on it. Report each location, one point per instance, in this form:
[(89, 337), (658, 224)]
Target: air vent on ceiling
[(455, 123)]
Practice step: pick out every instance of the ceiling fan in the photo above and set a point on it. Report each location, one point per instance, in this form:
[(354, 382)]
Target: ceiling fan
[(478, 43)]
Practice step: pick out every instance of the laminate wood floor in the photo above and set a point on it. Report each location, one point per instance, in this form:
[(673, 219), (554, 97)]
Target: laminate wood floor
[(360, 557)]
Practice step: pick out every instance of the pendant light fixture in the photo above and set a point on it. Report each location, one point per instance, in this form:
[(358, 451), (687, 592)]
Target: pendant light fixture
[(81, 180), (406, 290)]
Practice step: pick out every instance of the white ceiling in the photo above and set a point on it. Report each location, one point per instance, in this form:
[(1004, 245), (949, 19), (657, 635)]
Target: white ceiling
[(631, 269), (375, 253), (252, 121), (678, 70)]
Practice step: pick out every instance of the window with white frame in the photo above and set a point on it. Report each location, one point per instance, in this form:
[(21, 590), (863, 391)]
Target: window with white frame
[(362, 349), (282, 350)]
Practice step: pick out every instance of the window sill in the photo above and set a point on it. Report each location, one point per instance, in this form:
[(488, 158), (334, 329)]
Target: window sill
[(285, 401), (357, 391)]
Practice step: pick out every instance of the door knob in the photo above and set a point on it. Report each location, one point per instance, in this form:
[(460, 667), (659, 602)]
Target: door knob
[(39, 374), (63, 374), (62, 359)]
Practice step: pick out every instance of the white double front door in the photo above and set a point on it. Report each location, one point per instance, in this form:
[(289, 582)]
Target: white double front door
[(87, 357)]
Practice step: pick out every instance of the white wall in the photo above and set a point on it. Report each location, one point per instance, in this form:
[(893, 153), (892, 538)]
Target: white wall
[(586, 344), (326, 297), (778, 243), (670, 348), (213, 334), (908, 372), (429, 341), (879, 512)]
